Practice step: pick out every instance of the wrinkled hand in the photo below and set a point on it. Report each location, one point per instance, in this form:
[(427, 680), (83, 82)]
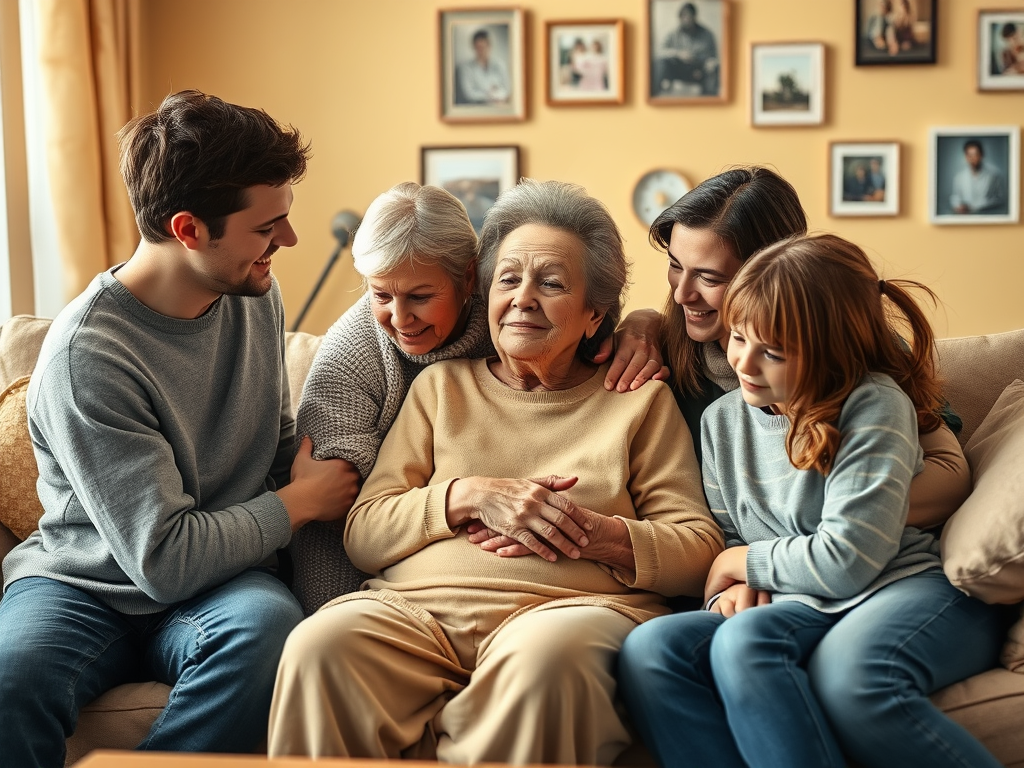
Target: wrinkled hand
[(738, 598), (730, 567), (638, 357), (319, 490), (520, 513)]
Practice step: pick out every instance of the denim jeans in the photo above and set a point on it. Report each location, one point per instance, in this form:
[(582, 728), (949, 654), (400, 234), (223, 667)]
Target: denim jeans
[(786, 685), (60, 648)]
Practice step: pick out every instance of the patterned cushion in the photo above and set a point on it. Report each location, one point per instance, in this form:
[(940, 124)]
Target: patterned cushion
[(20, 509)]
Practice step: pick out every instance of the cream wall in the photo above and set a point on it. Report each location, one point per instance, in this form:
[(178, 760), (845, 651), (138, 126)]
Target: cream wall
[(359, 77)]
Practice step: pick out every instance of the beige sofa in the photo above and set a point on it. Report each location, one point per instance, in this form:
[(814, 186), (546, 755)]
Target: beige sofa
[(977, 370)]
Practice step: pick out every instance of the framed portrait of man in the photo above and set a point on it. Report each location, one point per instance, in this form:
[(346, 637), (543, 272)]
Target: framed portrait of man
[(973, 175), (895, 32), (688, 43), (482, 65)]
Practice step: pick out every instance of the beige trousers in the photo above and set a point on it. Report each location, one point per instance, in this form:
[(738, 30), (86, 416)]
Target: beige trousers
[(366, 678)]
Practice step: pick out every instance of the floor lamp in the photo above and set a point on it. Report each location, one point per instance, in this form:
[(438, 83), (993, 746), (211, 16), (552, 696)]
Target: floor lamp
[(342, 227)]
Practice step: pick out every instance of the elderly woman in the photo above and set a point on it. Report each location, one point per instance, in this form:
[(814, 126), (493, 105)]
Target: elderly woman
[(456, 652), (416, 250)]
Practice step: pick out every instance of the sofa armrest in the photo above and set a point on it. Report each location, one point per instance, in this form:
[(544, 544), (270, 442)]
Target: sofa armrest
[(8, 541), (20, 340)]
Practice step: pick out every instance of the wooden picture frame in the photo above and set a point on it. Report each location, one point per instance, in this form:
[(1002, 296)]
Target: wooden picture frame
[(1001, 50), (974, 175), (787, 84), (475, 175), (864, 178), (585, 62), (889, 32), (483, 65), (689, 47)]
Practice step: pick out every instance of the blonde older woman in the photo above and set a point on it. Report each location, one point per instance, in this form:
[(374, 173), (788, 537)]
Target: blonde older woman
[(417, 252), (452, 650)]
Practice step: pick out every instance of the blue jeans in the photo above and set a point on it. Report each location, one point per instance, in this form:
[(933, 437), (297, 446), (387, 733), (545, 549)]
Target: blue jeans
[(60, 648), (787, 685)]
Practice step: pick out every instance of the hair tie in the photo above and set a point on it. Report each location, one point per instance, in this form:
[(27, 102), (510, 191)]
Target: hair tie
[(881, 286)]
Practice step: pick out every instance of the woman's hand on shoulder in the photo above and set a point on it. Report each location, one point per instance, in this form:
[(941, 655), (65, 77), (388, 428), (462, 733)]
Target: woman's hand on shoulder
[(738, 598), (637, 347), (530, 513)]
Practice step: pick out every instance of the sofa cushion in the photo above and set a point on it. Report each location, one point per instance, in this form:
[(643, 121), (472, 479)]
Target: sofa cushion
[(989, 706), (1012, 656), (983, 542), (118, 719), (20, 509)]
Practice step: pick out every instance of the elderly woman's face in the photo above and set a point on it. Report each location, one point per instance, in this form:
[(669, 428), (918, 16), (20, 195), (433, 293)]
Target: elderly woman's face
[(418, 306), (537, 307)]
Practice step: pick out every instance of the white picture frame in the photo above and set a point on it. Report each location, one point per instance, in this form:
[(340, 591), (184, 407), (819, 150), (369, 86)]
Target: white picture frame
[(1001, 50), (864, 178), (787, 84), (475, 175), (953, 192)]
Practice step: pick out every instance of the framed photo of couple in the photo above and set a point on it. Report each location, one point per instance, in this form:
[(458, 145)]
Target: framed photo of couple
[(864, 178), (895, 32), (1001, 50), (483, 65), (585, 62)]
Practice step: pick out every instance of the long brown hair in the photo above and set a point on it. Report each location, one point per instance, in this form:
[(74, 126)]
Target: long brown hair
[(820, 300), (748, 209)]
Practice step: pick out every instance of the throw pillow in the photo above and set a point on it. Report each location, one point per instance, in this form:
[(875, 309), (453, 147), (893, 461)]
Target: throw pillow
[(983, 542), (20, 509)]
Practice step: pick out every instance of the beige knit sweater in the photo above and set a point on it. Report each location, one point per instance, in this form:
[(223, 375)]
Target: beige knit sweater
[(634, 459)]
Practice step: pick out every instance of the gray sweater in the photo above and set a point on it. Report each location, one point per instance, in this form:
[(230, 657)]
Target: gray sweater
[(156, 440), (829, 541), (355, 388)]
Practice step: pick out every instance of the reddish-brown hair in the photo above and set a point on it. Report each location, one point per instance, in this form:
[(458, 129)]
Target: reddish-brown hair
[(820, 300)]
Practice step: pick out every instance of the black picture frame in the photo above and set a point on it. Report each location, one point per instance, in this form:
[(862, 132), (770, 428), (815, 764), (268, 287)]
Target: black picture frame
[(895, 32)]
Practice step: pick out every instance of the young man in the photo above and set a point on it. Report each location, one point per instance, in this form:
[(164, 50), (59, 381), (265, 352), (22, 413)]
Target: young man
[(161, 419)]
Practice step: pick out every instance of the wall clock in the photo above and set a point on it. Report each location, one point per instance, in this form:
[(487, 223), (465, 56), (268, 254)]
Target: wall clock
[(656, 191)]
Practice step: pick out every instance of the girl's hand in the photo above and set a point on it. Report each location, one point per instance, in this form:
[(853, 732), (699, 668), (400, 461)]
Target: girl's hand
[(729, 568), (738, 598)]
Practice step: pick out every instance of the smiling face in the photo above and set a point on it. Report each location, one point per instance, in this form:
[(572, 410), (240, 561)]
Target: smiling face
[(238, 262), (537, 305), (700, 266), (765, 372), (419, 306)]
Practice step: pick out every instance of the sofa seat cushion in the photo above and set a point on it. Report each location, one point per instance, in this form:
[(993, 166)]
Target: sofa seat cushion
[(20, 509), (989, 706), (983, 542), (119, 719)]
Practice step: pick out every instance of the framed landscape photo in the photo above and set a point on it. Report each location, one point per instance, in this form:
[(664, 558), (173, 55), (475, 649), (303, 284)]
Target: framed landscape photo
[(475, 175), (483, 65), (974, 175), (787, 84), (688, 46), (895, 32), (585, 62), (1001, 50), (864, 178)]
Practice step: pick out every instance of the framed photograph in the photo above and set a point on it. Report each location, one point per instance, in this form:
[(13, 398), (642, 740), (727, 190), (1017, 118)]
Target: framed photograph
[(974, 175), (1001, 50), (475, 175), (895, 31), (585, 62), (688, 45), (787, 84), (483, 65), (864, 178)]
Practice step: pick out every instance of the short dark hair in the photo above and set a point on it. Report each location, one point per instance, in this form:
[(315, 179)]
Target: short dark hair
[(200, 154), (973, 143), (1009, 30), (688, 7), (481, 34)]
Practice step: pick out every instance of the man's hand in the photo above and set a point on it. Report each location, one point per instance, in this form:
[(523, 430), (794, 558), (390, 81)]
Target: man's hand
[(637, 345), (319, 490)]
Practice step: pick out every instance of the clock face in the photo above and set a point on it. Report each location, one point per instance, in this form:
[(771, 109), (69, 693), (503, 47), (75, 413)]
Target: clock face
[(656, 191)]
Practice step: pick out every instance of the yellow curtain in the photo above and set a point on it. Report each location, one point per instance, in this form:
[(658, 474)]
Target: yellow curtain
[(88, 57)]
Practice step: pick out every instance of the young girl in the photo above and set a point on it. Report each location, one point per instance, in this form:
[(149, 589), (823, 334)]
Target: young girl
[(807, 467)]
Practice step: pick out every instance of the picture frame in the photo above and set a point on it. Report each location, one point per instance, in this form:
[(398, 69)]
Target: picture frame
[(475, 175), (787, 84), (585, 62), (974, 175), (689, 45), (483, 65), (1001, 50), (864, 178), (889, 32)]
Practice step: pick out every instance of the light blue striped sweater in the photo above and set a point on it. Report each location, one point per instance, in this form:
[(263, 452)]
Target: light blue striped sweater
[(829, 541)]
